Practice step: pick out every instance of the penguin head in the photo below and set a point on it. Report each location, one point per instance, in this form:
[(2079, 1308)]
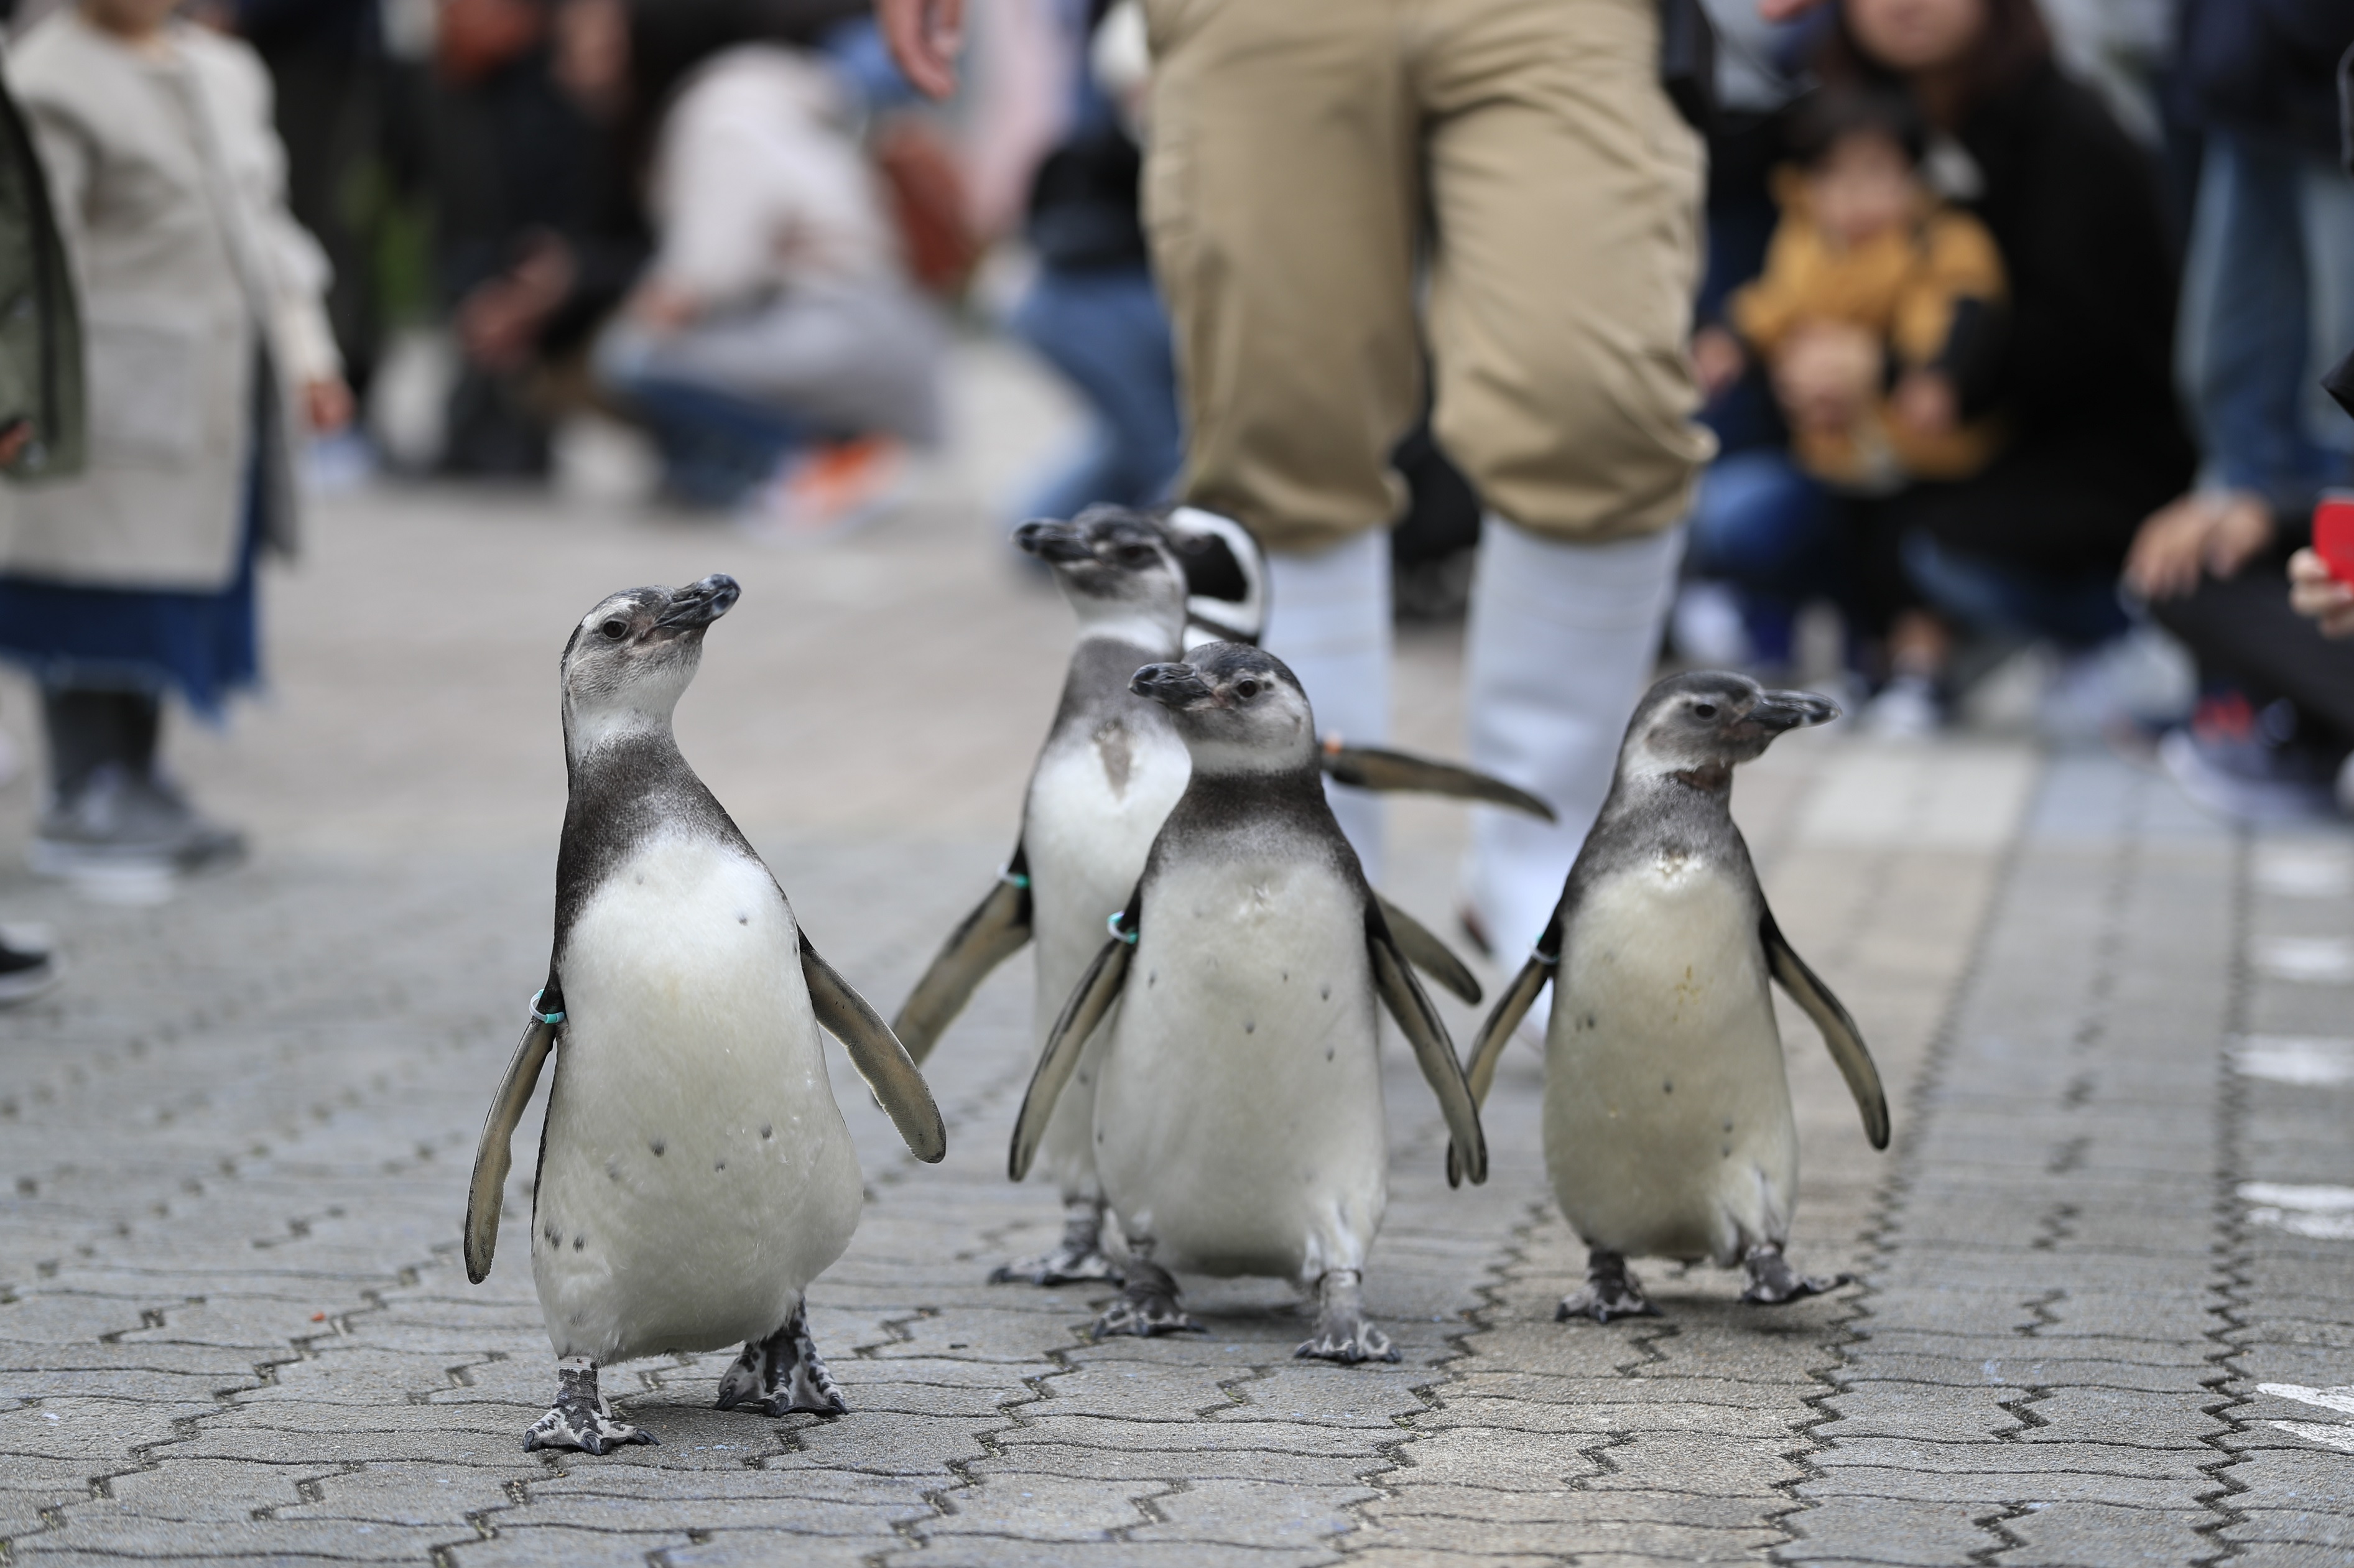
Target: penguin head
[(1238, 708), (1700, 724), (631, 657), (1119, 571)]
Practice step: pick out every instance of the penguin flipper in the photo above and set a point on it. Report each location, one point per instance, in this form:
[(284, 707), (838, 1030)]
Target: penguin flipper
[(879, 1057), (998, 929), (495, 1155), (1090, 1000), (1378, 768), (1426, 1033), (1488, 1049), (1425, 952), (1838, 1030)]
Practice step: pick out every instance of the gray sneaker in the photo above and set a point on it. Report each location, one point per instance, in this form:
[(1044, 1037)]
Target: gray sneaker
[(119, 821)]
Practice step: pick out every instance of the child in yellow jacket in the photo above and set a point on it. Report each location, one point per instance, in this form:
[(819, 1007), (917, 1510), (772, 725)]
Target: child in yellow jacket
[(1864, 243)]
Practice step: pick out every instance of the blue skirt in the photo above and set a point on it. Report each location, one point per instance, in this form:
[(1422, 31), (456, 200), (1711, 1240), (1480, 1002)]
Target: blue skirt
[(203, 645)]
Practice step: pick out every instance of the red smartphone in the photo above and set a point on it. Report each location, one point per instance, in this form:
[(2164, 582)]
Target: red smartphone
[(2333, 533)]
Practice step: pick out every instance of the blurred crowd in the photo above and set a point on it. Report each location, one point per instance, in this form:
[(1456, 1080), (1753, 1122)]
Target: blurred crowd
[(2012, 332)]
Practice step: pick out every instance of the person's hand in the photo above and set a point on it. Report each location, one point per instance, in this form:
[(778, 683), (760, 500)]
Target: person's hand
[(2206, 532), (15, 440), (925, 36), (1826, 375), (499, 320), (1718, 361), (1926, 403), (2315, 590), (327, 405), (662, 306)]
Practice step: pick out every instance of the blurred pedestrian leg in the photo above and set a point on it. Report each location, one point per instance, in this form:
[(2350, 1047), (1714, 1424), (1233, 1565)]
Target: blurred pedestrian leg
[(1301, 152), (1104, 328), (1559, 634), (1773, 533), (1329, 618), (2267, 307)]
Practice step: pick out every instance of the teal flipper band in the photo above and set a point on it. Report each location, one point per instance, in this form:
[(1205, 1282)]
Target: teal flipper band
[(1016, 878), (1118, 935), (544, 1017)]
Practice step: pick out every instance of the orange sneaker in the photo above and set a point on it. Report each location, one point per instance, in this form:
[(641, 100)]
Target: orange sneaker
[(831, 489)]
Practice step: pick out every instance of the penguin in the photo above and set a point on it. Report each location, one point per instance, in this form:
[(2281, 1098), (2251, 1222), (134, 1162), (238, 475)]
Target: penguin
[(1667, 1130), (1143, 589), (1237, 1113), (694, 1171)]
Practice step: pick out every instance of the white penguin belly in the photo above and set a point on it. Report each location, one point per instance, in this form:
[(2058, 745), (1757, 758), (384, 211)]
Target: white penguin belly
[(1093, 813), (1239, 1116), (1666, 1115), (695, 1173)]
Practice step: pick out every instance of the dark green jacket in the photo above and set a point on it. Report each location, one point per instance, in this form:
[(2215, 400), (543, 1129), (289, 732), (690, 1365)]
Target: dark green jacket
[(40, 326)]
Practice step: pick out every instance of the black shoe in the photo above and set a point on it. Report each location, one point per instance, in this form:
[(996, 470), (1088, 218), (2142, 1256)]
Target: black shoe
[(24, 973)]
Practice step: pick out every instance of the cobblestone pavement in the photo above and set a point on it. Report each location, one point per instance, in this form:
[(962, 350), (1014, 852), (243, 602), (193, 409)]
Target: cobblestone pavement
[(2104, 1316)]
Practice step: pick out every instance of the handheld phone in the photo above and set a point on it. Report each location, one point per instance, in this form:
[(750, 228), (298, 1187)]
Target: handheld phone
[(2333, 533)]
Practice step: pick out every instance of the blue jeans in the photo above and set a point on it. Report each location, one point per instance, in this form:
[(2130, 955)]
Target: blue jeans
[(2077, 612), (1772, 532), (716, 448), (1104, 328), (2267, 307)]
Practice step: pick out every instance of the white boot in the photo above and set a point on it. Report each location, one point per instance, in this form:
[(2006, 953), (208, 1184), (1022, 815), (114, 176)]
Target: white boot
[(1562, 640), (1329, 618)]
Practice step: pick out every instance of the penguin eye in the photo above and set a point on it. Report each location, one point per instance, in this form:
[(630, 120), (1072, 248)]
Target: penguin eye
[(616, 629), (1246, 688), (1703, 710)]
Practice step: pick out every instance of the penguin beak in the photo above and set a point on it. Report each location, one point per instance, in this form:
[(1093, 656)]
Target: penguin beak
[(1051, 541), (1778, 711), (697, 605), (1170, 685)]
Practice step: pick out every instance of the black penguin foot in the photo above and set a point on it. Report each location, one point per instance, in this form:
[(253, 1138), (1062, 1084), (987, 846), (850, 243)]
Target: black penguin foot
[(1147, 1306), (580, 1419), (1077, 1259), (781, 1374), (1773, 1282), (1343, 1333), (1611, 1291)]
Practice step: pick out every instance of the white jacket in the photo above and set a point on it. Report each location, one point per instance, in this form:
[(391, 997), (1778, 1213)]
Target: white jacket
[(759, 184), (169, 184)]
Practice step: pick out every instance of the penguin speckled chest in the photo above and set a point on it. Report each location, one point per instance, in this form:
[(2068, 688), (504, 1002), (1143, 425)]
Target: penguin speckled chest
[(1667, 1126), (1238, 1118), (694, 1171)]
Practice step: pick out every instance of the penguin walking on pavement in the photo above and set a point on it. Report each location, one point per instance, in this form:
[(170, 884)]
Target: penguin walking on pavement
[(1667, 1130), (1238, 1123), (695, 1170), (1143, 587)]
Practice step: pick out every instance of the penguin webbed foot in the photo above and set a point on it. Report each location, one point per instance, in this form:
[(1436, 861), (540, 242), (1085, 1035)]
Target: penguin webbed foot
[(1077, 1259), (1147, 1306), (1611, 1290), (580, 1419), (782, 1376), (1063, 1265), (1343, 1333), (1774, 1283)]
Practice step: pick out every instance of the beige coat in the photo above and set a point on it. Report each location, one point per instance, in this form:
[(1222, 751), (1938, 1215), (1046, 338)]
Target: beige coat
[(169, 185)]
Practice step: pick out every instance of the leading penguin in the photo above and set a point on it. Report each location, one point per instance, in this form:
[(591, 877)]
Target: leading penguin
[(1667, 1130), (1237, 1109), (1143, 589), (694, 1171)]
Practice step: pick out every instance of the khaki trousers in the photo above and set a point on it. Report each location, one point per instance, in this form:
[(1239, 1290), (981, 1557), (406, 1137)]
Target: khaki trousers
[(1298, 148)]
